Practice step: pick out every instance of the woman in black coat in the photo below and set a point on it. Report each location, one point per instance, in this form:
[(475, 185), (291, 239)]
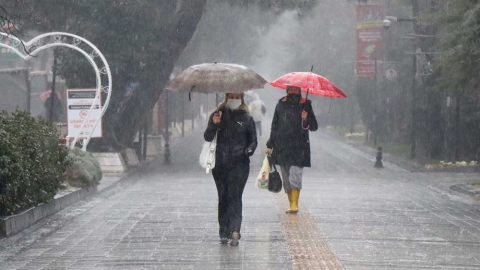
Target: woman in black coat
[(236, 142), (289, 143)]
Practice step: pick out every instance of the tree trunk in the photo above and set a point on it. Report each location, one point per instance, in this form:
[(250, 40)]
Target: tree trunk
[(135, 109)]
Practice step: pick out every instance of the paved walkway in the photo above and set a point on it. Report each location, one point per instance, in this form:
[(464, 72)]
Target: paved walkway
[(390, 218), (352, 216)]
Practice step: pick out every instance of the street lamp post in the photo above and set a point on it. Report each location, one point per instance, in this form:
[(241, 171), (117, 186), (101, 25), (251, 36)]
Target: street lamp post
[(183, 115), (375, 120), (413, 141), (145, 139), (51, 113), (386, 24), (193, 112), (29, 89), (167, 133)]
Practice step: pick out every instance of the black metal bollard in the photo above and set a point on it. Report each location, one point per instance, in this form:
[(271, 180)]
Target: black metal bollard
[(378, 163)]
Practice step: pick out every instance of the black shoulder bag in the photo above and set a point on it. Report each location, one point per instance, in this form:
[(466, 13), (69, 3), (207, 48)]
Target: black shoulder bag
[(274, 180)]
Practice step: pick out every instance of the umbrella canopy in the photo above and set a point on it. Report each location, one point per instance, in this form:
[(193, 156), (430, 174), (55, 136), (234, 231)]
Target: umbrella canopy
[(310, 83), (43, 96), (216, 78)]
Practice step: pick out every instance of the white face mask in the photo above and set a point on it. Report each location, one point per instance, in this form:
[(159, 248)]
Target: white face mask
[(234, 103)]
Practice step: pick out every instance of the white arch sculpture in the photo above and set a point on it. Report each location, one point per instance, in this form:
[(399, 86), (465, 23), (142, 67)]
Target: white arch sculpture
[(77, 43)]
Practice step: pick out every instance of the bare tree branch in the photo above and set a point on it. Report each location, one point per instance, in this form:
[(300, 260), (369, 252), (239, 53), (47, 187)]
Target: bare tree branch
[(8, 22)]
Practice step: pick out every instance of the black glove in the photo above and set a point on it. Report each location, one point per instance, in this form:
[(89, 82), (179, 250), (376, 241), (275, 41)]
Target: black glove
[(248, 152)]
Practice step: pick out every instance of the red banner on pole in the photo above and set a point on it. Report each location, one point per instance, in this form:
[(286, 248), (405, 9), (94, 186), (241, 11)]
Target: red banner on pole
[(369, 38)]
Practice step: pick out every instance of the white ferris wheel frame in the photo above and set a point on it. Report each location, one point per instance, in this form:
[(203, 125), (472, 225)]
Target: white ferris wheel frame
[(61, 39)]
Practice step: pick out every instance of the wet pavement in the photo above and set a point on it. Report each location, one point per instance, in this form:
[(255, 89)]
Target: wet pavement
[(353, 216), (390, 218)]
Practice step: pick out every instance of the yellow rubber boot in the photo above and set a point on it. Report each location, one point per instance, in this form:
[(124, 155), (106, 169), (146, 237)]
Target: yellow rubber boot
[(290, 200), (294, 205)]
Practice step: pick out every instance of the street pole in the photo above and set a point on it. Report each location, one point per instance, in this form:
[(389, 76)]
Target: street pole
[(457, 128), (140, 143), (183, 114), (145, 138), (29, 89), (167, 133), (414, 55), (352, 116), (446, 155), (52, 93), (413, 135), (385, 130), (193, 112), (375, 128)]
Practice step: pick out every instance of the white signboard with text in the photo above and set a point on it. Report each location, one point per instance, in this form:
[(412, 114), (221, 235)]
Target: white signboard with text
[(79, 102)]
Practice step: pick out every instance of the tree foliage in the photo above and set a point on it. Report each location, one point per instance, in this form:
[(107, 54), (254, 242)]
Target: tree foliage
[(31, 161), (141, 40), (459, 46)]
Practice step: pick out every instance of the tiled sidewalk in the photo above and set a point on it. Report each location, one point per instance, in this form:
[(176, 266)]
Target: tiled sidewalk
[(352, 216)]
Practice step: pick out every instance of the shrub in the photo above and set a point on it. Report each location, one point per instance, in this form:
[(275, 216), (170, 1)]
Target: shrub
[(83, 169), (32, 164)]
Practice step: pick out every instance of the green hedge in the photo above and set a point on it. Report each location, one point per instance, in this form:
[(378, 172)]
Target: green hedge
[(83, 169), (32, 164)]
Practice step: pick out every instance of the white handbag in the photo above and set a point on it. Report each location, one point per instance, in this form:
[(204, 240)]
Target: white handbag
[(207, 156)]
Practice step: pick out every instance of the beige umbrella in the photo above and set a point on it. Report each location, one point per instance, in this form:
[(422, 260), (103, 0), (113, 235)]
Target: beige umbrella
[(216, 78)]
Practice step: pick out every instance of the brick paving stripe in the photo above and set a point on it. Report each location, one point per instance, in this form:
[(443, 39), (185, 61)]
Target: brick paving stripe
[(306, 243)]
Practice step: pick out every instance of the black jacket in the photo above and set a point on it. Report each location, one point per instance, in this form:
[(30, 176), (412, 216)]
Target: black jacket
[(236, 139), (289, 141)]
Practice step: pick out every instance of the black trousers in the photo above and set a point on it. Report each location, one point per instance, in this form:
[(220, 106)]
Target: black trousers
[(230, 183)]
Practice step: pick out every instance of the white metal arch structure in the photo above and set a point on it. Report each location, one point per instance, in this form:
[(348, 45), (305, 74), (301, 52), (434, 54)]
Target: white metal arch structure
[(77, 43)]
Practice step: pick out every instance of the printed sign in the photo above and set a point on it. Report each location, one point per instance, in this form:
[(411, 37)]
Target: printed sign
[(369, 38), (79, 102)]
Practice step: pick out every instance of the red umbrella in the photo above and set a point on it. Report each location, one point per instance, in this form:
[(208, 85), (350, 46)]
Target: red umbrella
[(310, 83), (43, 96)]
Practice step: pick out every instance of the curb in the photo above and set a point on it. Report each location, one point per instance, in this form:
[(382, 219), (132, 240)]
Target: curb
[(15, 223), (402, 162), (389, 158), (467, 190)]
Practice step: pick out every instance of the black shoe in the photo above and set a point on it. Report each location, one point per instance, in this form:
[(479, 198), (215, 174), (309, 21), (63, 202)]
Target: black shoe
[(235, 238), (224, 240)]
